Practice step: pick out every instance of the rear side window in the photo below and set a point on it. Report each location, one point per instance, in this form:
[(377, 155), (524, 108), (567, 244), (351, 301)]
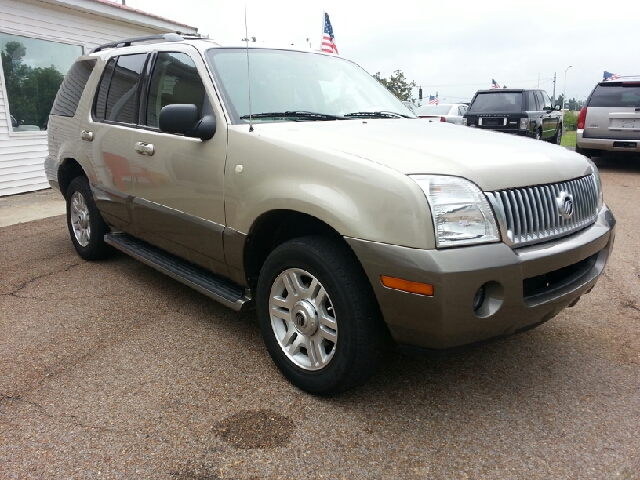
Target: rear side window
[(502, 102), (616, 96), (68, 97), (117, 96)]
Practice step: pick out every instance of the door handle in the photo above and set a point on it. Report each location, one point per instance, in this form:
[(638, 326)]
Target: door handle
[(88, 136), (145, 148)]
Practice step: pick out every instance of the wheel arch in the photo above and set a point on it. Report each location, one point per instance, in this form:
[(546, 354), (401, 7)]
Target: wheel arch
[(68, 170), (272, 229)]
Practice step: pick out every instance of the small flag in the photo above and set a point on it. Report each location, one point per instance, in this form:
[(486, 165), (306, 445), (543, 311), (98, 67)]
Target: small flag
[(610, 76), (433, 100), (328, 40), (494, 84)]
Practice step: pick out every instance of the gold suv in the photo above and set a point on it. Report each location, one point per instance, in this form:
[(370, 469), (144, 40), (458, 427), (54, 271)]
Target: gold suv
[(294, 182)]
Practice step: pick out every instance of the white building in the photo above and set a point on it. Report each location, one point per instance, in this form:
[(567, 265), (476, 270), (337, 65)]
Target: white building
[(39, 40)]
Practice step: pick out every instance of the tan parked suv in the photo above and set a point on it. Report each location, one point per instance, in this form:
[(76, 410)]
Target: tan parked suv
[(313, 194), (610, 120)]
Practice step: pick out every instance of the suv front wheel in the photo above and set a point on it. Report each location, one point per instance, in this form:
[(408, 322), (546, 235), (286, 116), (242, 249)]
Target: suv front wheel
[(318, 315), (86, 226)]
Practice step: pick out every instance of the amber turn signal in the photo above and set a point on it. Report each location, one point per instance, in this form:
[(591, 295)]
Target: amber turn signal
[(407, 286)]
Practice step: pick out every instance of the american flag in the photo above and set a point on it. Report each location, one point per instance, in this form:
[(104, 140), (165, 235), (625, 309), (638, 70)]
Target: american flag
[(328, 40), (433, 100), (494, 84), (610, 76)]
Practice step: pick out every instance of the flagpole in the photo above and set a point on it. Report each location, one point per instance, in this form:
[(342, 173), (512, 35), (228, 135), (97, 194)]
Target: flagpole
[(322, 33)]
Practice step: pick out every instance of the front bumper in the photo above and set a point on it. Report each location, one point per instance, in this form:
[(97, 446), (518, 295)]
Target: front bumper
[(523, 287), (607, 144)]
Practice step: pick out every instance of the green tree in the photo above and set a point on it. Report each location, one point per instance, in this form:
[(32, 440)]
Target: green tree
[(398, 85)]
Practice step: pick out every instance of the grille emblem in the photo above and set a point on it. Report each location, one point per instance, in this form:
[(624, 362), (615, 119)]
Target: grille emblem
[(565, 205)]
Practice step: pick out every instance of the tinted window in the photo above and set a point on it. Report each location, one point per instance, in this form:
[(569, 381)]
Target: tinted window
[(122, 97), (101, 95), (616, 96), (500, 102), (533, 101), (174, 79), (68, 96)]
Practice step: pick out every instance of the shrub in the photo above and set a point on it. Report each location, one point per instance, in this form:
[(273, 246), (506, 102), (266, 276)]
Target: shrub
[(570, 120)]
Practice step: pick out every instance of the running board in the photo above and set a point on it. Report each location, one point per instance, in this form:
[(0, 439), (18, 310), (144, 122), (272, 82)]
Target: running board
[(207, 283)]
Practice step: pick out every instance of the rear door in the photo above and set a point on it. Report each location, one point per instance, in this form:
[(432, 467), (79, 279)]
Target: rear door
[(107, 135), (613, 111)]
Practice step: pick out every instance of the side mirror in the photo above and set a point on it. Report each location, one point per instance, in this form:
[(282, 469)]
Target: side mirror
[(183, 118), (557, 107)]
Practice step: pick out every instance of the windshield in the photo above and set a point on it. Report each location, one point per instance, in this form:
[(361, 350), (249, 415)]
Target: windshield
[(499, 102), (307, 86), (433, 110)]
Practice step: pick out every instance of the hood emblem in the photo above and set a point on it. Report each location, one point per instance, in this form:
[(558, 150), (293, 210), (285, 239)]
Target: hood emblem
[(564, 201)]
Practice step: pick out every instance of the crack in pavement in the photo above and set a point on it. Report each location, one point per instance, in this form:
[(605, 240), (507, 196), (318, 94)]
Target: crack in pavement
[(26, 283), (43, 411)]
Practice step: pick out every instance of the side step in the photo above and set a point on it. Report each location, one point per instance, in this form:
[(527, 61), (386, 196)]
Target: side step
[(211, 285)]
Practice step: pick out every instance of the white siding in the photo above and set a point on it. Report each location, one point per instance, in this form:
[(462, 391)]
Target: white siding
[(22, 154)]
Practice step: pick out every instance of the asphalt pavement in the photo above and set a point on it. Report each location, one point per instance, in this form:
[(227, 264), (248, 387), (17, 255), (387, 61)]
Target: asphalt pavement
[(112, 370)]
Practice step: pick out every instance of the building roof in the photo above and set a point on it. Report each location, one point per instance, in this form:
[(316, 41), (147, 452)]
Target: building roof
[(116, 4), (123, 13)]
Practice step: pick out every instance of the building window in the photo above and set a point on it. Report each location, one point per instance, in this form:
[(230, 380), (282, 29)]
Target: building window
[(33, 71)]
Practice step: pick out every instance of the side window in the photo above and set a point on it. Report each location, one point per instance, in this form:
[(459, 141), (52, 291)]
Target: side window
[(539, 101), (100, 102), (68, 97), (532, 102), (546, 100), (175, 79), (116, 98)]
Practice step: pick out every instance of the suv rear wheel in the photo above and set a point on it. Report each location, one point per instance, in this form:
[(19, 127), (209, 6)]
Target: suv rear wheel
[(86, 226), (318, 315)]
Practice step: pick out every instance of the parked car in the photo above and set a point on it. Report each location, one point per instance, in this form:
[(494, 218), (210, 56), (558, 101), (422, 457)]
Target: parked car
[(444, 112), (518, 111), (323, 202), (610, 119)]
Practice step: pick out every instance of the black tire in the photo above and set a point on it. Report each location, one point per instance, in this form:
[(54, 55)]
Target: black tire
[(89, 243), (538, 134), (557, 138), (358, 350)]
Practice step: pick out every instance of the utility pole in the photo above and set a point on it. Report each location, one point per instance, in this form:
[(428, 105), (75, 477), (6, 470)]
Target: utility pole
[(553, 99)]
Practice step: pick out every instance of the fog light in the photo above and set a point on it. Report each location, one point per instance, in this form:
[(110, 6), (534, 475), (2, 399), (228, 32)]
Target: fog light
[(478, 298)]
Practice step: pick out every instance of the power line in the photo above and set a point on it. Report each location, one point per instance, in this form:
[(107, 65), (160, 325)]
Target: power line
[(485, 83)]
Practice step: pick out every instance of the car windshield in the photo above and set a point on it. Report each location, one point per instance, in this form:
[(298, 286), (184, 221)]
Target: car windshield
[(433, 110), (498, 102), (299, 86)]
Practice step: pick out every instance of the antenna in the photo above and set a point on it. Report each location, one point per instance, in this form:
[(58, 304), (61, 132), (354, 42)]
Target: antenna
[(246, 39)]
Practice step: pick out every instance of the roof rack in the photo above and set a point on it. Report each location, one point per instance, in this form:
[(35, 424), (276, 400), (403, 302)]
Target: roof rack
[(167, 37)]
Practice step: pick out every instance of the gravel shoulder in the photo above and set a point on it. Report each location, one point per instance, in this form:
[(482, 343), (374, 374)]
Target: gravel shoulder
[(112, 370)]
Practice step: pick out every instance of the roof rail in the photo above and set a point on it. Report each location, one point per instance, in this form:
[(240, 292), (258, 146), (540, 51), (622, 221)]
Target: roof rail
[(167, 37)]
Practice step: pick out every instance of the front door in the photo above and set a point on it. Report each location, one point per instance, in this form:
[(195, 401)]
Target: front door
[(178, 181)]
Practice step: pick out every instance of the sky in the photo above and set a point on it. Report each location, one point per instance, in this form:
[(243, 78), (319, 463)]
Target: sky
[(451, 48)]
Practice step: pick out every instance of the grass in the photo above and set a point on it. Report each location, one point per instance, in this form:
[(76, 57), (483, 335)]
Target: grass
[(569, 139)]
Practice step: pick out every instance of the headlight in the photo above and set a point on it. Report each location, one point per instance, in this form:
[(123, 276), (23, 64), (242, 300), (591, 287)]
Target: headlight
[(524, 124), (461, 213), (596, 175)]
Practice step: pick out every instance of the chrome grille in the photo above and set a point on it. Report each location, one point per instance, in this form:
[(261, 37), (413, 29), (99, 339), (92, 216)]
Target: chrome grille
[(530, 214)]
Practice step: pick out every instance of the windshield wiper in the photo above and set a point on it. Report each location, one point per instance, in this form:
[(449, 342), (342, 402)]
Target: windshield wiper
[(295, 114), (378, 114)]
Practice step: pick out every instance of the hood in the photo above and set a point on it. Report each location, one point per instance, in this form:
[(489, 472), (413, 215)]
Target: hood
[(492, 160)]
